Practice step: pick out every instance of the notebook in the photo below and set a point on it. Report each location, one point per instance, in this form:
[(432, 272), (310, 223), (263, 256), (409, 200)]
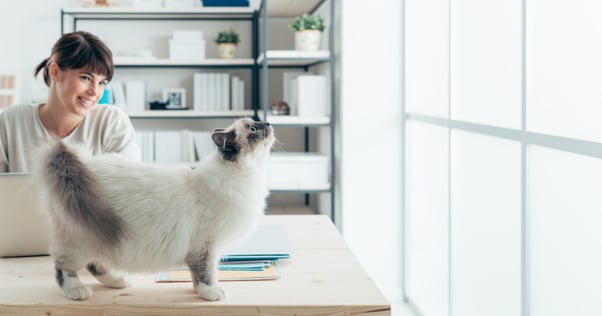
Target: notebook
[(24, 229), (254, 258)]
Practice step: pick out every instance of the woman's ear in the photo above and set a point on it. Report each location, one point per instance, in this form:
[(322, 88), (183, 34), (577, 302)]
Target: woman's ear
[(54, 71)]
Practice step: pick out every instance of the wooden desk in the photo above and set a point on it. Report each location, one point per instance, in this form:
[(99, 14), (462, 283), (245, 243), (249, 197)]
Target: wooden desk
[(322, 277)]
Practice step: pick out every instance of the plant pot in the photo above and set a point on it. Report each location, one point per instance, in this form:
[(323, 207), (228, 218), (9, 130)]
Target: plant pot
[(308, 40), (227, 50)]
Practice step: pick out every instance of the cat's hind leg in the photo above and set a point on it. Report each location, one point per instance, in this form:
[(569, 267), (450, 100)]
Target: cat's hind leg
[(108, 277), (67, 279), (203, 269)]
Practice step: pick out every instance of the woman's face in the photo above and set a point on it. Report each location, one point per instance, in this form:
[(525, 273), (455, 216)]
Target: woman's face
[(79, 90)]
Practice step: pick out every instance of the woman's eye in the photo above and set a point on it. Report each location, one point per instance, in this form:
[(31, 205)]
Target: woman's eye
[(85, 78)]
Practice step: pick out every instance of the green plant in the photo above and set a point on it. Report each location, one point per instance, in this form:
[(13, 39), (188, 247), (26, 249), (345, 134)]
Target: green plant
[(227, 37), (307, 22)]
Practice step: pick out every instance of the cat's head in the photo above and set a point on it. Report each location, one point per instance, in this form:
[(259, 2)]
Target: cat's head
[(245, 138)]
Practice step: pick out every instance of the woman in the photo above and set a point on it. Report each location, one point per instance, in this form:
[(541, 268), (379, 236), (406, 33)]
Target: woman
[(77, 72)]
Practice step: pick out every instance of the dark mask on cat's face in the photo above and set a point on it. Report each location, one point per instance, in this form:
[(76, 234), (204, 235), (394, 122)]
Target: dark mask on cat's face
[(244, 137)]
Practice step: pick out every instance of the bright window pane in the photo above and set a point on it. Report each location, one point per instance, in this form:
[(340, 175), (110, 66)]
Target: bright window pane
[(486, 62), (564, 68), (565, 235), (485, 225), (427, 217), (426, 49)]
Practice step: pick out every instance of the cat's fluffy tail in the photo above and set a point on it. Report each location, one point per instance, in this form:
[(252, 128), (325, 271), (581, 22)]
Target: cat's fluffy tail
[(72, 186)]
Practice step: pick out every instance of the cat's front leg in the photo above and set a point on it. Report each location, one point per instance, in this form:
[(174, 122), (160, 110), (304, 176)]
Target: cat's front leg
[(203, 269), (70, 284), (109, 278)]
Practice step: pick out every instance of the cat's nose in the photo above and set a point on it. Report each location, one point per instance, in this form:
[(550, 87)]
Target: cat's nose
[(264, 125)]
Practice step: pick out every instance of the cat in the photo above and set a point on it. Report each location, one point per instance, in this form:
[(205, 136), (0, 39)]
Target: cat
[(112, 215)]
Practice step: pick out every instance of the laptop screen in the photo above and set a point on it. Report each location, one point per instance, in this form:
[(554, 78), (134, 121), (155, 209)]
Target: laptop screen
[(24, 228)]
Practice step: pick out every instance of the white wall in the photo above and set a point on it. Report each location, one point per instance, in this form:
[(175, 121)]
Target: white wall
[(370, 137), (28, 31)]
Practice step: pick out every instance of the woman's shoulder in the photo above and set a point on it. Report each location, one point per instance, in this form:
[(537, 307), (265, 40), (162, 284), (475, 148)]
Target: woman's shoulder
[(19, 111)]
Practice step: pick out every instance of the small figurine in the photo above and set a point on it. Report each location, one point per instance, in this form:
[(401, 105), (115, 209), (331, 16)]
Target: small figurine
[(280, 108)]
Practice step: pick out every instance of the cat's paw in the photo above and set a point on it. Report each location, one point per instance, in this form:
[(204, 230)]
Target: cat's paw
[(115, 281), (77, 293), (210, 293)]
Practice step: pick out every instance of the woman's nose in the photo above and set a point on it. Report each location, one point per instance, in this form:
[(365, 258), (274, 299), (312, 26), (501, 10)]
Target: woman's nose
[(95, 89)]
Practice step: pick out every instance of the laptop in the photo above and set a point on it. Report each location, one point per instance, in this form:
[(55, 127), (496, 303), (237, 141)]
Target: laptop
[(24, 228)]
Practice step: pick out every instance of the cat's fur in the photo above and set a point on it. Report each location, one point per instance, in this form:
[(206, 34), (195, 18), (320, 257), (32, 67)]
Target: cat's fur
[(110, 214)]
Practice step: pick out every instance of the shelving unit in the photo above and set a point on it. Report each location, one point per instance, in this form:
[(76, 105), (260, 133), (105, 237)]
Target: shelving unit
[(260, 63), (270, 59), (72, 16)]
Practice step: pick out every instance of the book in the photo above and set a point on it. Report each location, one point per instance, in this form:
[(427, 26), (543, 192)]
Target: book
[(203, 144), (168, 147), (146, 141), (135, 96), (197, 91), (289, 91), (182, 274), (118, 94), (224, 91)]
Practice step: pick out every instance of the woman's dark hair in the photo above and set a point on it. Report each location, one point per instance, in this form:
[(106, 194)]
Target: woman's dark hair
[(79, 50)]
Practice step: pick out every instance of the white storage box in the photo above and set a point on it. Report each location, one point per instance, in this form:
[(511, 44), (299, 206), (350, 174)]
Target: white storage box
[(187, 49), (188, 35), (298, 169), (147, 4), (310, 94)]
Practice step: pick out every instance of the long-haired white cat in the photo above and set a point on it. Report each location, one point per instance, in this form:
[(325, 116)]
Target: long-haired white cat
[(110, 214)]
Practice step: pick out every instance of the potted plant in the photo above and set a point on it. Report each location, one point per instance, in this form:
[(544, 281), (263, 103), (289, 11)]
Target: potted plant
[(226, 42), (308, 32)]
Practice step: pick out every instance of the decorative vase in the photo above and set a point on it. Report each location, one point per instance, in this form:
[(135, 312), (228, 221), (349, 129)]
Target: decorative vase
[(308, 40), (227, 50)]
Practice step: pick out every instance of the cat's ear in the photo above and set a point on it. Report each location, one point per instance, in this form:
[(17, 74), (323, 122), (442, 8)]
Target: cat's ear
[(220, 137), (226, 144)]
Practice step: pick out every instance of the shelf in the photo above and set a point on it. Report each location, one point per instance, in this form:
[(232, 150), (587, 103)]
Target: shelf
[(190, 114), (134, 13), (294, 58), (305, 188), (275, 9), (286, 120), (289, 209), (288, 8), (165, 62)]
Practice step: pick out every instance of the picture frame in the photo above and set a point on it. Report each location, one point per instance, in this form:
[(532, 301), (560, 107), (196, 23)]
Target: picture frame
[(176, 98)]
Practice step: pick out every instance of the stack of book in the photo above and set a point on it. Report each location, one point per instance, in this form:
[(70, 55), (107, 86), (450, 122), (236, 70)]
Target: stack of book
[(174, 146), (218, 92), (255, 258)]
